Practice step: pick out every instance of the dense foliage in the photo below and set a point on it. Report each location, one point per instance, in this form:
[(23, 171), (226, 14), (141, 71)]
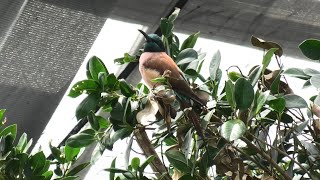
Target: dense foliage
[(255, 127)]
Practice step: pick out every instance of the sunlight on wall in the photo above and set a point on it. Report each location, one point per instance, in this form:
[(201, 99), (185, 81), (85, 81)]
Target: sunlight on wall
[(113, 41)]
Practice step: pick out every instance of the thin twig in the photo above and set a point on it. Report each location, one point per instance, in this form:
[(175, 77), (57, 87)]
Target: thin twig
[(267, 157), (285, 154)]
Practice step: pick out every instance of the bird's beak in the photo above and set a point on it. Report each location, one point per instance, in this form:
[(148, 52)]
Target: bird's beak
[(145, 35)]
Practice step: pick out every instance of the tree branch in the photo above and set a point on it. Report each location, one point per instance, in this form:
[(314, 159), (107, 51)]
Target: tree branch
[(268, 158)]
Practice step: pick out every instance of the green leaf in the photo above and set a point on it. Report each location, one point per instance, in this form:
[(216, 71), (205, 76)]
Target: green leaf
[(307, 84), (113, 165), (88, 104), (262, 98), (71, 152), (311, 48), (115, 170), (174, 15), (166, 27), (243, 94), (95, 66), (56, 153), (186, 56), (128, 58), (255, 75), (179, 161), (135, 163), (112, 82), (276, 82), (146, 163), (22, 142), (296, 72), (2, 111), (315, 81), (26, 148), (159, 80), (190, 41), (232, 129), (12, 129), (295, 101), (278, 104), (37, 162), (267, 58), (126, 89), (234, 76), (77, 169), (311, 72), (301, 127), (230, 93), (48, 175), (93, 121), (80, 87), (83, 139), (68, 178), (187, 177), (214, 65)]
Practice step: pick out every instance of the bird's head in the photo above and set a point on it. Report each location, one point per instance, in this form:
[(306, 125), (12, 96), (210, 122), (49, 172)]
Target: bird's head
[(153, 43)]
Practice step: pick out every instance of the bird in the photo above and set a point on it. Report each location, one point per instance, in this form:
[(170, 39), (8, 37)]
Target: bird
[(154, 62)]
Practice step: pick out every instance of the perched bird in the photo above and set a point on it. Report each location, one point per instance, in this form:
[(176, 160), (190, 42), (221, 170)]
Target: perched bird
[(154, 62)]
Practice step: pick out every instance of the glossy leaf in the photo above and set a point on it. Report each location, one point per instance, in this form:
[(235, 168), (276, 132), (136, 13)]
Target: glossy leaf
[(234, 76), (80, 87), (174, 15), (278, 104), (301, 127), (12, 129), (56, 153), (315, 81), (126, 89), (230, 94), (267, 58), (135, 163), (233, 129), (243, 94), (296, 72), (190, 41), (80, 140), (96, 66), (179, 161), (77, 169), (255, 75), (22, 142), (112, 82), (186, 56), (295, 101), (2, 111), (311, 48), (93, 121), (37, 161), (166, 27), (88, 104), (146, 163), (262, 98), (113, 165), (311, 72), (214, 65), (70, 153)]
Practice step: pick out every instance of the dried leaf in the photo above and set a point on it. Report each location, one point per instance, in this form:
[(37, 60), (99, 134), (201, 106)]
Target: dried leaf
[(266, 45), (148, 113)]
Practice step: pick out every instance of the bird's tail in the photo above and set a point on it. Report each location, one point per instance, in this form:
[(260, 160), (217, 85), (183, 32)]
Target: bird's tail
[(192, 116)]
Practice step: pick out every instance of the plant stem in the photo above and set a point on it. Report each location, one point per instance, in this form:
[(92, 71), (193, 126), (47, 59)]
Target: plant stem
[(148, 150), (268, 158), (285, 154)]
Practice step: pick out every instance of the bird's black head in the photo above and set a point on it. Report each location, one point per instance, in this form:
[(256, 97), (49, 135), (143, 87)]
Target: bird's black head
[(153, 43)]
